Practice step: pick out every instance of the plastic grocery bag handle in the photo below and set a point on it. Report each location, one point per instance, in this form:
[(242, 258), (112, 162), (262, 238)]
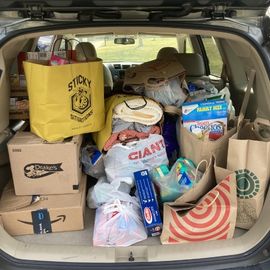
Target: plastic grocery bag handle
[(116, 205), (243, 109)]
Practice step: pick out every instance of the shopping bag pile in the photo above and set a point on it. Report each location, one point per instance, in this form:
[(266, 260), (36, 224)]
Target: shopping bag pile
[(167, 155)]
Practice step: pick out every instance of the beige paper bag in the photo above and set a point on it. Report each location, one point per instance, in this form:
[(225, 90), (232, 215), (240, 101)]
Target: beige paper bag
[(196, 149), (193, 148), (212, 218), (250, 159)]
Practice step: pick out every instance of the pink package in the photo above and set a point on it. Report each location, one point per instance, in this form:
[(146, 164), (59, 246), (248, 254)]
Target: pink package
[(57, 61)]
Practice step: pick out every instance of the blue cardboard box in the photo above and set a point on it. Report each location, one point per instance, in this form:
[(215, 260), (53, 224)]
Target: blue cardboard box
[(149, 205)]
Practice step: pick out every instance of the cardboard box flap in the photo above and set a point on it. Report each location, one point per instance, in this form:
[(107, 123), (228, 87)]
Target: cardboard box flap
[(11, 202), (159, 68), (22, 138)]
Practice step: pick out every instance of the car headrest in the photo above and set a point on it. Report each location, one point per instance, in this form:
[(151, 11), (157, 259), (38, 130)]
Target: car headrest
[(85, 51), (166, 53), (193, 63)]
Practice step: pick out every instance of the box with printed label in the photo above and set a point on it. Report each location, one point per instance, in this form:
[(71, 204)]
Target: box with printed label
[(43, 214), (206, 117), (39, 167), (149, 206)]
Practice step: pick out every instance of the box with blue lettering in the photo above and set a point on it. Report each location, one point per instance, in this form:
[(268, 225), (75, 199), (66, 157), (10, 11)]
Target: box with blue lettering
[(206, 118), (148, 202)]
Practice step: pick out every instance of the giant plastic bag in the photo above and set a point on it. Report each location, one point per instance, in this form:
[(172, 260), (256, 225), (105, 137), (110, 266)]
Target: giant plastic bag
[(123, 160), (118, 224)]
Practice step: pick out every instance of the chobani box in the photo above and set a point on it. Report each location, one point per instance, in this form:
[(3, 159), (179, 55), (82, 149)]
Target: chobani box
[(39, 167), (149, 206), (206, 117)]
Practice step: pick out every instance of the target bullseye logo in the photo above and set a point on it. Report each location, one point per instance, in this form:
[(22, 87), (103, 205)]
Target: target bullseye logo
[(248, 184), (208, 220)]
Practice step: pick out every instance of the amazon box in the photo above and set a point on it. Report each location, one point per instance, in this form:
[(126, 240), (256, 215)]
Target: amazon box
[(42, 214), (41, 168)]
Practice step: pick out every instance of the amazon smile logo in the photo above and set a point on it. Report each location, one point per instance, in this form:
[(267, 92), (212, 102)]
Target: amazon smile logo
[(59, 218), (41, 221)]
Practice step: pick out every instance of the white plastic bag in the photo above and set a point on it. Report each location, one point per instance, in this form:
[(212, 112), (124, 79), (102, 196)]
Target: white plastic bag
[(104, 192), (167, 92), (123, 160), (118, 224)]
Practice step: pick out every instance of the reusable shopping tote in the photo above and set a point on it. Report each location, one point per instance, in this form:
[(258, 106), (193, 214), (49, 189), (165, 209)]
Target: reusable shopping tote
[(249, 157), (65, 100)]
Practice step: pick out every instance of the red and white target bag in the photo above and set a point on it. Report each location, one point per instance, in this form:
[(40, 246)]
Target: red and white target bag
[(212, 218)]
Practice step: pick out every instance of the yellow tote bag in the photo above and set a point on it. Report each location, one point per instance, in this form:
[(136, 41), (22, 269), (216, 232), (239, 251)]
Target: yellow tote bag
[(65, 100)]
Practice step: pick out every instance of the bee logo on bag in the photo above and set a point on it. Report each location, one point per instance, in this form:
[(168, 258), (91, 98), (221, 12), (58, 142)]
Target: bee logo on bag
[(80, 88), (38, 170)]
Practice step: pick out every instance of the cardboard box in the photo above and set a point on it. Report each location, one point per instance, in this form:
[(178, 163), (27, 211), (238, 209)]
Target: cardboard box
[(42, 214), (149, 206), (40, 168)]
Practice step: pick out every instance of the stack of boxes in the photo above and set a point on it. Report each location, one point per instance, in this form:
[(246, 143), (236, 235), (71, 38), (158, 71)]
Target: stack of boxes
[(48, 189)]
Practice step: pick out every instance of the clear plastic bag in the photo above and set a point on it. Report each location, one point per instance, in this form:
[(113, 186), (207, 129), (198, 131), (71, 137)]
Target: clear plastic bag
[(172, 184), (104, 192), (118, 224), (92, 160)]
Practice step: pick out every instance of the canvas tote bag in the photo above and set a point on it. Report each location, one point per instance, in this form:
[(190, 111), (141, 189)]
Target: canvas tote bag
[(65, 100)]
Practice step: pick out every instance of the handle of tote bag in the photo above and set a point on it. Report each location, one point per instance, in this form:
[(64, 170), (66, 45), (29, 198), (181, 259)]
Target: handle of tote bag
[(68, 41), (243, 109)]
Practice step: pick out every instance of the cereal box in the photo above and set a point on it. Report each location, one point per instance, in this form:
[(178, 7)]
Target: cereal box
[(206, 117)]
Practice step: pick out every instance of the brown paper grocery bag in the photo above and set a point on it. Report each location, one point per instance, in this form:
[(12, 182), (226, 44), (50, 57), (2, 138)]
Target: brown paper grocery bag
[(196, 149), (212, 218), (193, 148), (250, 159)]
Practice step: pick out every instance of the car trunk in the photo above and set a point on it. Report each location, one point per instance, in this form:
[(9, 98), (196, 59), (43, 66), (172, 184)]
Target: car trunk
[(77, 246)]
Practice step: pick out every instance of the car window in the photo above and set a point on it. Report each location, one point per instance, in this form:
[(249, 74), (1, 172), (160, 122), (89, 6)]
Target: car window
[(213, 55), (144, 49)]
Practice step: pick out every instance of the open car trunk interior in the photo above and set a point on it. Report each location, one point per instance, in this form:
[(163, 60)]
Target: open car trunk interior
[(240, 55)]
